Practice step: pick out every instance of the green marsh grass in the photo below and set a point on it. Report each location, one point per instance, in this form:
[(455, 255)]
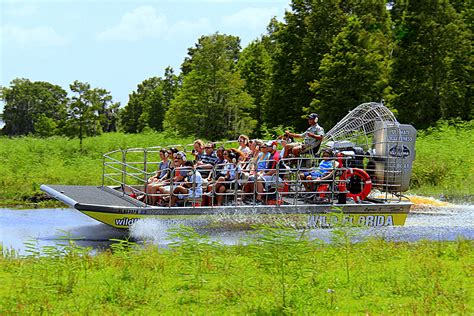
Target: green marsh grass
[(444, 161), (27, 162), (277, 271)]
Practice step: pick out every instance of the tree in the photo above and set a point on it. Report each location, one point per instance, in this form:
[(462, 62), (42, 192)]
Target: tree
[(81, 119), (300, 45), (147, 106), (90, 111), (432, 67), (255, 68), (160, 100), (107, 110), (356, 69), (130, 116), (26, 102), (45, 126), (212, 103), (171, 84)]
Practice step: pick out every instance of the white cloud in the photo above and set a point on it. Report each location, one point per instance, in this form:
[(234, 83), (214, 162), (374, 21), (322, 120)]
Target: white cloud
[(250, 18), (41, 36), (142, 22), (191, 28)]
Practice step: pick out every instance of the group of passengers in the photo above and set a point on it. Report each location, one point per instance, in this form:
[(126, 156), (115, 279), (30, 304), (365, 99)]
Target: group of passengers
[(254, 167)]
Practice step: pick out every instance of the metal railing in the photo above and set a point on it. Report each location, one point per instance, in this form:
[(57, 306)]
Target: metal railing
[(129, 171)]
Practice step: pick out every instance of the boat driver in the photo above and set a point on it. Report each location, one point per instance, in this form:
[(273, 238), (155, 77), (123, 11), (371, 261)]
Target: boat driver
[(312, 138)]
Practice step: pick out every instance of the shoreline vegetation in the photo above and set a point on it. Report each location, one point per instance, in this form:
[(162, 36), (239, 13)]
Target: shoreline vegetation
[(277, 271), (443, 162)]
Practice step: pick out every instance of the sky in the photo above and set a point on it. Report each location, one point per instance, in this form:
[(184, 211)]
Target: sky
[(116, 44)]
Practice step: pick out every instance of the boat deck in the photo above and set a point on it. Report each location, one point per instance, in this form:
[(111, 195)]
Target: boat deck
[(94, 195)]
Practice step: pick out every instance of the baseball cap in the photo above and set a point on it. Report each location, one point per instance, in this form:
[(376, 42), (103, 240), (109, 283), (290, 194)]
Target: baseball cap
[(313, 116)]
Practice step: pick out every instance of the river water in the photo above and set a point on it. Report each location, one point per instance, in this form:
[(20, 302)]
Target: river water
[(47, 227)]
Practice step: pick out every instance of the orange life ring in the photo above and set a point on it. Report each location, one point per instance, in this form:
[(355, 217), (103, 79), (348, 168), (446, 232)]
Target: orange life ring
[(351, 172)]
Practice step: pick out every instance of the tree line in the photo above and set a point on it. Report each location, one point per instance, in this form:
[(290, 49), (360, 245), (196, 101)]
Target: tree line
[(325, 57)]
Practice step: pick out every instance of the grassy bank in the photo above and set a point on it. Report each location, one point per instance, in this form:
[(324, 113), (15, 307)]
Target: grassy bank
[(27, 162), (445, 161), (279, 272), (443, 164)]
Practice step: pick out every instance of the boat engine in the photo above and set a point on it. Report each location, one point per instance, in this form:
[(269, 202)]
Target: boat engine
[(393, 155)]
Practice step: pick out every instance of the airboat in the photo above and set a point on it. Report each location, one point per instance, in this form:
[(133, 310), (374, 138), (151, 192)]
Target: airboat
[(374, 155)]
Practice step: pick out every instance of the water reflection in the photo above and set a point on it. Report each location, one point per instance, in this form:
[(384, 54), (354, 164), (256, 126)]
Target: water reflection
[(47, 227)]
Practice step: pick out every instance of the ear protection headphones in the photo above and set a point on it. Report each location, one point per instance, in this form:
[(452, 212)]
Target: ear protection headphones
[(182, 155)]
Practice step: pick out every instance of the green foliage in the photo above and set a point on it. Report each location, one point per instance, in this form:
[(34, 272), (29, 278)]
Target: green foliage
[(255, 68), (444, 160), (212, 102), (90, 112), (45, 126), (278, 272), (300, 44), (147, 106), (280, 251), (28, 102), (431, 63), (196, 250), (353, 72), (43, 109), (27, 162)]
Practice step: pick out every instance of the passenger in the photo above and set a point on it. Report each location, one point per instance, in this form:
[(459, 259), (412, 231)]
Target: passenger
[(191, 188), (264, 157), (312, 138), (270, 176), (231, 173), (250, 157), (220, 154), (256, 167), (284, 140), (220, 163), (177, 175), (323, 172), (216, 173), (244, 145), (164, 165), (198, 149), (208, 160), (161, 174), (258, 154), (253, 149), (173, 151)]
